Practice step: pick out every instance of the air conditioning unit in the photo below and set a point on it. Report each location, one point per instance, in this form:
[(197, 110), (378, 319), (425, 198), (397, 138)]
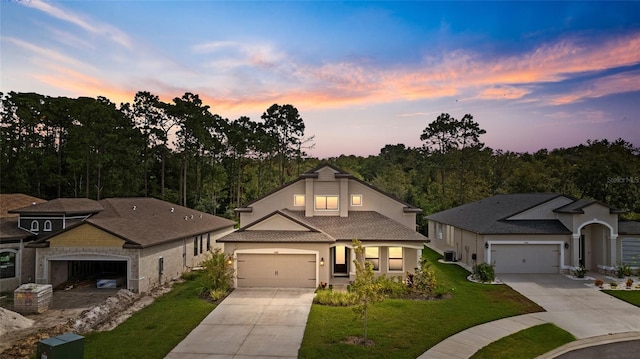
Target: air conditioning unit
[(449, 256)]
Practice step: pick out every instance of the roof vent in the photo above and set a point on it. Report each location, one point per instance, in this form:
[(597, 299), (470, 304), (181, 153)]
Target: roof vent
[(186, 217), (200, 215), (134, 207), (33, 203), (172, 209), (192, 216)]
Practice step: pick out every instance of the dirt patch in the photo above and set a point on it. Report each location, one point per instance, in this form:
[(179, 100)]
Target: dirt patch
[(79, 310), (359, 341)]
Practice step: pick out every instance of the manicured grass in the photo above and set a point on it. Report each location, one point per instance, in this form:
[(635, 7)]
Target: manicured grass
[(629, 296), (526, 344), (407, 328), (155, 330)]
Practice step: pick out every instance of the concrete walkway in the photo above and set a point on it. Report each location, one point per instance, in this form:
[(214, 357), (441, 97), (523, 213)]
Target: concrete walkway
[(250, 323), (583, 311)]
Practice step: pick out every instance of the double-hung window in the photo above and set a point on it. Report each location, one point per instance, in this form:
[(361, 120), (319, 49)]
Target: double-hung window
[(326, 203), (395, 258), (372, 255)]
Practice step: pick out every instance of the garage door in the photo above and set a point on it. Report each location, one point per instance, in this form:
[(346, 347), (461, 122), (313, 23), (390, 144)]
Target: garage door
[(631, 251), (277, 270), (526, 258)]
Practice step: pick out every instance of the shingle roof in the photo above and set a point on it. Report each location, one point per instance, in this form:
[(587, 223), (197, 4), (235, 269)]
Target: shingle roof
[(628, 227), (277, 236), (9, 230), (577, 206), (487, 216), (68, 206), (9, 201), (146, 222), (363, 225)]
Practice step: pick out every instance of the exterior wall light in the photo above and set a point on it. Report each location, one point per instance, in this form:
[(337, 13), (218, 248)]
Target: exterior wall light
[(566, 245), (322, 261), (486, 245)]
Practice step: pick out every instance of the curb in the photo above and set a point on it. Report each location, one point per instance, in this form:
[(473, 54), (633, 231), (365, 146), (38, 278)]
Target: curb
[(590, 342)]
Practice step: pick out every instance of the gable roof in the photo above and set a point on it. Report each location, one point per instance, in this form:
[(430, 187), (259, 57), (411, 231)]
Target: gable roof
[(628, 227), (10, 201), (313, 173), (363, 225), (62, 206), (488, 216), (577, 207), (144, 222)]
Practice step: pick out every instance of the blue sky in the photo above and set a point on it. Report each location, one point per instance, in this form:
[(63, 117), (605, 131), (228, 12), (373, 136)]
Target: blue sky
[(363, 74)]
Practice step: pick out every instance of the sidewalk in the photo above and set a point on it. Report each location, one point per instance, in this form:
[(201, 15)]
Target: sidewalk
[(585, 312)]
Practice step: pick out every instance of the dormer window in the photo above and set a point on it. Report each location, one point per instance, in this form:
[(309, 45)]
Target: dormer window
[(326, 203), (298, 200), (35, 226), (356, 200)]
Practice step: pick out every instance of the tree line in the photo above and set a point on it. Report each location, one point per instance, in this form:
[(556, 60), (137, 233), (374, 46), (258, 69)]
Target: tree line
[(182, 152)]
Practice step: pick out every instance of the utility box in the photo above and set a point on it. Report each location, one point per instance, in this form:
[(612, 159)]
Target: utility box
[(449, 256), (65, 346)]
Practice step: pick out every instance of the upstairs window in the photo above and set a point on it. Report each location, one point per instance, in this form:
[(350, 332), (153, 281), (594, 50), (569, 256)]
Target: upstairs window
[(356, 200), (298, 200), (372, 254), (47, 226), (327, 203), (35, 226)]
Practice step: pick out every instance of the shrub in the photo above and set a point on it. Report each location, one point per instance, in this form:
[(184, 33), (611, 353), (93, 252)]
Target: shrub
[(217, 274), (424, 280), (623, 270), (484, 272), (580, 271), (335, 298), (393, 287)]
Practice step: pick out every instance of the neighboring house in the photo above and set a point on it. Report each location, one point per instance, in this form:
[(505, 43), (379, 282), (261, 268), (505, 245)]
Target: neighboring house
[(17, 263), (137, 243), (536, 233), (301, 234)]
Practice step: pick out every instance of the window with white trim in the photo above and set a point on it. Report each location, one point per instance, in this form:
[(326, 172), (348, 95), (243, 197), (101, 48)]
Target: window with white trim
[(395, 259), (326, 203), (35, 226), (298, 200), (47, 226), (356, 200), (372, 255)]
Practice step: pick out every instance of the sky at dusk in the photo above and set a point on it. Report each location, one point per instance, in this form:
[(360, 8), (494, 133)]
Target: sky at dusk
[(363, 74)]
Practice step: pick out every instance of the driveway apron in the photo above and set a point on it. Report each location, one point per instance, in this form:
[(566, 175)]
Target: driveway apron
[(250, 323), (582, 311)]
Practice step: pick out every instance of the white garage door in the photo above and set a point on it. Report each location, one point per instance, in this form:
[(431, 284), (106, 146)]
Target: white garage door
[(277, 270), (631, 251), (526, 258)]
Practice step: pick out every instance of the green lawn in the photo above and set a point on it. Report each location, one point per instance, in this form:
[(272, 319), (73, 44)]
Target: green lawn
[(629, 296), (526, 344), (407, 328), (155, 330)]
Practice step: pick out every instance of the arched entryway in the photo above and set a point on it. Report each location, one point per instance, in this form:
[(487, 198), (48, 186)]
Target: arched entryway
[(595, 246)]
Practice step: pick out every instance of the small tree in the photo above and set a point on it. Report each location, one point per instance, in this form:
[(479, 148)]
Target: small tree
[(218, 274), (366, 287)]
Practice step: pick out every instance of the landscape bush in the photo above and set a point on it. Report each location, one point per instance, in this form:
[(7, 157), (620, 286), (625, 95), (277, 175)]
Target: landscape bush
[(217, 274), (484, 272)]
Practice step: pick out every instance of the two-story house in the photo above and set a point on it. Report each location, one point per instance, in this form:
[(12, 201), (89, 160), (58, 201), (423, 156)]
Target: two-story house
[(536, 233), (302, 233)]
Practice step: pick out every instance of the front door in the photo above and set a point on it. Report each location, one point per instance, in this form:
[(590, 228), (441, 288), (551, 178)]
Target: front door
[(581, 260), (340, 261)]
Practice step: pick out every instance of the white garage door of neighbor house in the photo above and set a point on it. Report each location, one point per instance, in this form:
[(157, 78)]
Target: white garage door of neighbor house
[(277, 270), (631, 251), (526, 258)]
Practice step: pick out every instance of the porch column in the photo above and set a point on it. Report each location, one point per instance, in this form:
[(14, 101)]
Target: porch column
[(613, 253), (575, 250)]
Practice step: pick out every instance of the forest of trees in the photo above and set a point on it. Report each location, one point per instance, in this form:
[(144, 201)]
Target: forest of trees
[(181, 152)]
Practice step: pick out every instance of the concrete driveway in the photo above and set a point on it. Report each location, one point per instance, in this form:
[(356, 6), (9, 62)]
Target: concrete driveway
[(250, 323), (582, 311)]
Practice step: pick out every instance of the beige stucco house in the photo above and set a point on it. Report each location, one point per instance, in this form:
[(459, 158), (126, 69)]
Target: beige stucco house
[(134, 243), (301, 234), (536, 233)]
